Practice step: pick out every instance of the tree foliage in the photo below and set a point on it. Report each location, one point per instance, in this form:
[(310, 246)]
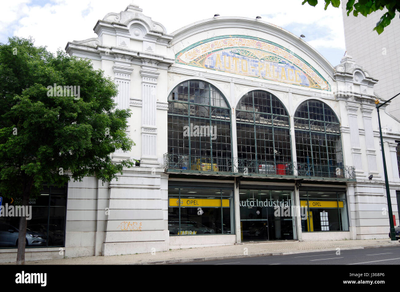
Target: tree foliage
[(365, 8), (57, 121)]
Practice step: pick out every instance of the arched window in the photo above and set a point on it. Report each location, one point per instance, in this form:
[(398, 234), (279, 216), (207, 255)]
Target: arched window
[(318, 140), (263, 134), (199, 128)]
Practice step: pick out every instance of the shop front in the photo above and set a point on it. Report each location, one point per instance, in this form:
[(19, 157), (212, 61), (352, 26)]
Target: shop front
[(267, 214), (205, 211), (325, 209), (200, 212)]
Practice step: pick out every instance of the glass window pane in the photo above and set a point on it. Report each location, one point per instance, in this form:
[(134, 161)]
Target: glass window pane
[(199, 132), (200, 211), (318, 140), (217, 99), (326, 211), (266, 214), (46, 219), (263, 134), (246, 103)]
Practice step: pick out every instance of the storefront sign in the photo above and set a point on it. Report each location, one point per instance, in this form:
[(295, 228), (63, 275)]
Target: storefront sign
[(282, 208), (252, 57), (196, 203), (321, 204), (265, 204)]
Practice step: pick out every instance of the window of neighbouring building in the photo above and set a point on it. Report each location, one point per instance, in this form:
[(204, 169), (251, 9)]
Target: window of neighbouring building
[(200, 210), (325, 210), (46, 219)]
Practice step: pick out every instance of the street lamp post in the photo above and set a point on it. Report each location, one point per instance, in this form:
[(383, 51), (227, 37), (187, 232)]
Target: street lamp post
[(389, 201)]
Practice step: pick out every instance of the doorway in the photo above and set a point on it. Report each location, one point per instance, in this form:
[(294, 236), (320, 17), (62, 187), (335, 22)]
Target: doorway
[(266, 215)]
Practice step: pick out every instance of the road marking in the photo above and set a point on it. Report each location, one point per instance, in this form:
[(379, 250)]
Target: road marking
[(335, 258), (274, 264), (377, 261), (308, 256), (232, 263), (375, 254)]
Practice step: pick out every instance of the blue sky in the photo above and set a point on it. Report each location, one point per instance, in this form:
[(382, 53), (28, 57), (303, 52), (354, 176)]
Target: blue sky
[(53, 23)]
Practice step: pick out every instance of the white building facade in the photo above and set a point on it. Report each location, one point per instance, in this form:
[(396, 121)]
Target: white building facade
[(243, 131)]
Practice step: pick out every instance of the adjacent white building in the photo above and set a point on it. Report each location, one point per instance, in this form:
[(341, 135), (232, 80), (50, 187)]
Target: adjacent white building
[(244, 132), (378, 54)]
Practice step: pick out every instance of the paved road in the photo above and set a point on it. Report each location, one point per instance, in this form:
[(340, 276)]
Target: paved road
[(367, 256)]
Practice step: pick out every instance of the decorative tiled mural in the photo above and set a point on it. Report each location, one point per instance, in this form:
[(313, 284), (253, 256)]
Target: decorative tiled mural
[(253, 57)]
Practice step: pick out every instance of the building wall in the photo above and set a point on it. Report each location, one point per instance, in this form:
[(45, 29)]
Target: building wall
[(86, 217), (131, 215), (137, 221)]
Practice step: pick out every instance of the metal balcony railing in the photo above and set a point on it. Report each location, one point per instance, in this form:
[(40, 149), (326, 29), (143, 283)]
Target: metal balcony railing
[(227, 166)]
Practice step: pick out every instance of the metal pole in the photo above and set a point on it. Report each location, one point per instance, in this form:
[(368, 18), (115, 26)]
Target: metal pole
[(392, 231)]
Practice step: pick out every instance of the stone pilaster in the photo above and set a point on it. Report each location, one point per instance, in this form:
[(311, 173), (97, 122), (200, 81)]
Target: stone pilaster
[(122, 78), (366, 111), (149, 76), (352, 109)]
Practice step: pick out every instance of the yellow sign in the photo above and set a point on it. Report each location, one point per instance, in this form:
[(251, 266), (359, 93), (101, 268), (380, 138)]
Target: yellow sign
[(321, 204), (187, 232), (196, 203)]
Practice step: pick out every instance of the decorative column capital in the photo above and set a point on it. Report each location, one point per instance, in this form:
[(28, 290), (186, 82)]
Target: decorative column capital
[(367, 110), (352, 108), (120, 69), (149, 71)]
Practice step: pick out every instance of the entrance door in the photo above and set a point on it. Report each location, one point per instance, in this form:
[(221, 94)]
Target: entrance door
[(280, 228), (253, 230), (266, 215)]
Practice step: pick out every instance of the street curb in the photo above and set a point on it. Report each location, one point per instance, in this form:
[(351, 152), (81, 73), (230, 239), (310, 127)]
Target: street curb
[(259, 251), (190, 260)]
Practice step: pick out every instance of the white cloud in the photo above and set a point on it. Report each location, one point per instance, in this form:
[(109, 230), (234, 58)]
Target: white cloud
[(58, 21), (55, 22), (325, 26), (11, 10)]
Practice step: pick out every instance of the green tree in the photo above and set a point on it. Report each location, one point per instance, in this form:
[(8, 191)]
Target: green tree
[(366, 7), (57, 122)]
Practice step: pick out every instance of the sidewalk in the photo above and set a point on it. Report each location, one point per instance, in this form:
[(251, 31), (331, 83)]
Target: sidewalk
[(221, 252)]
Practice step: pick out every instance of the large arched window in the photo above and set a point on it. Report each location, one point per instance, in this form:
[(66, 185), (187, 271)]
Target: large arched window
[(263, 134), (199, 128), (318, 140)]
